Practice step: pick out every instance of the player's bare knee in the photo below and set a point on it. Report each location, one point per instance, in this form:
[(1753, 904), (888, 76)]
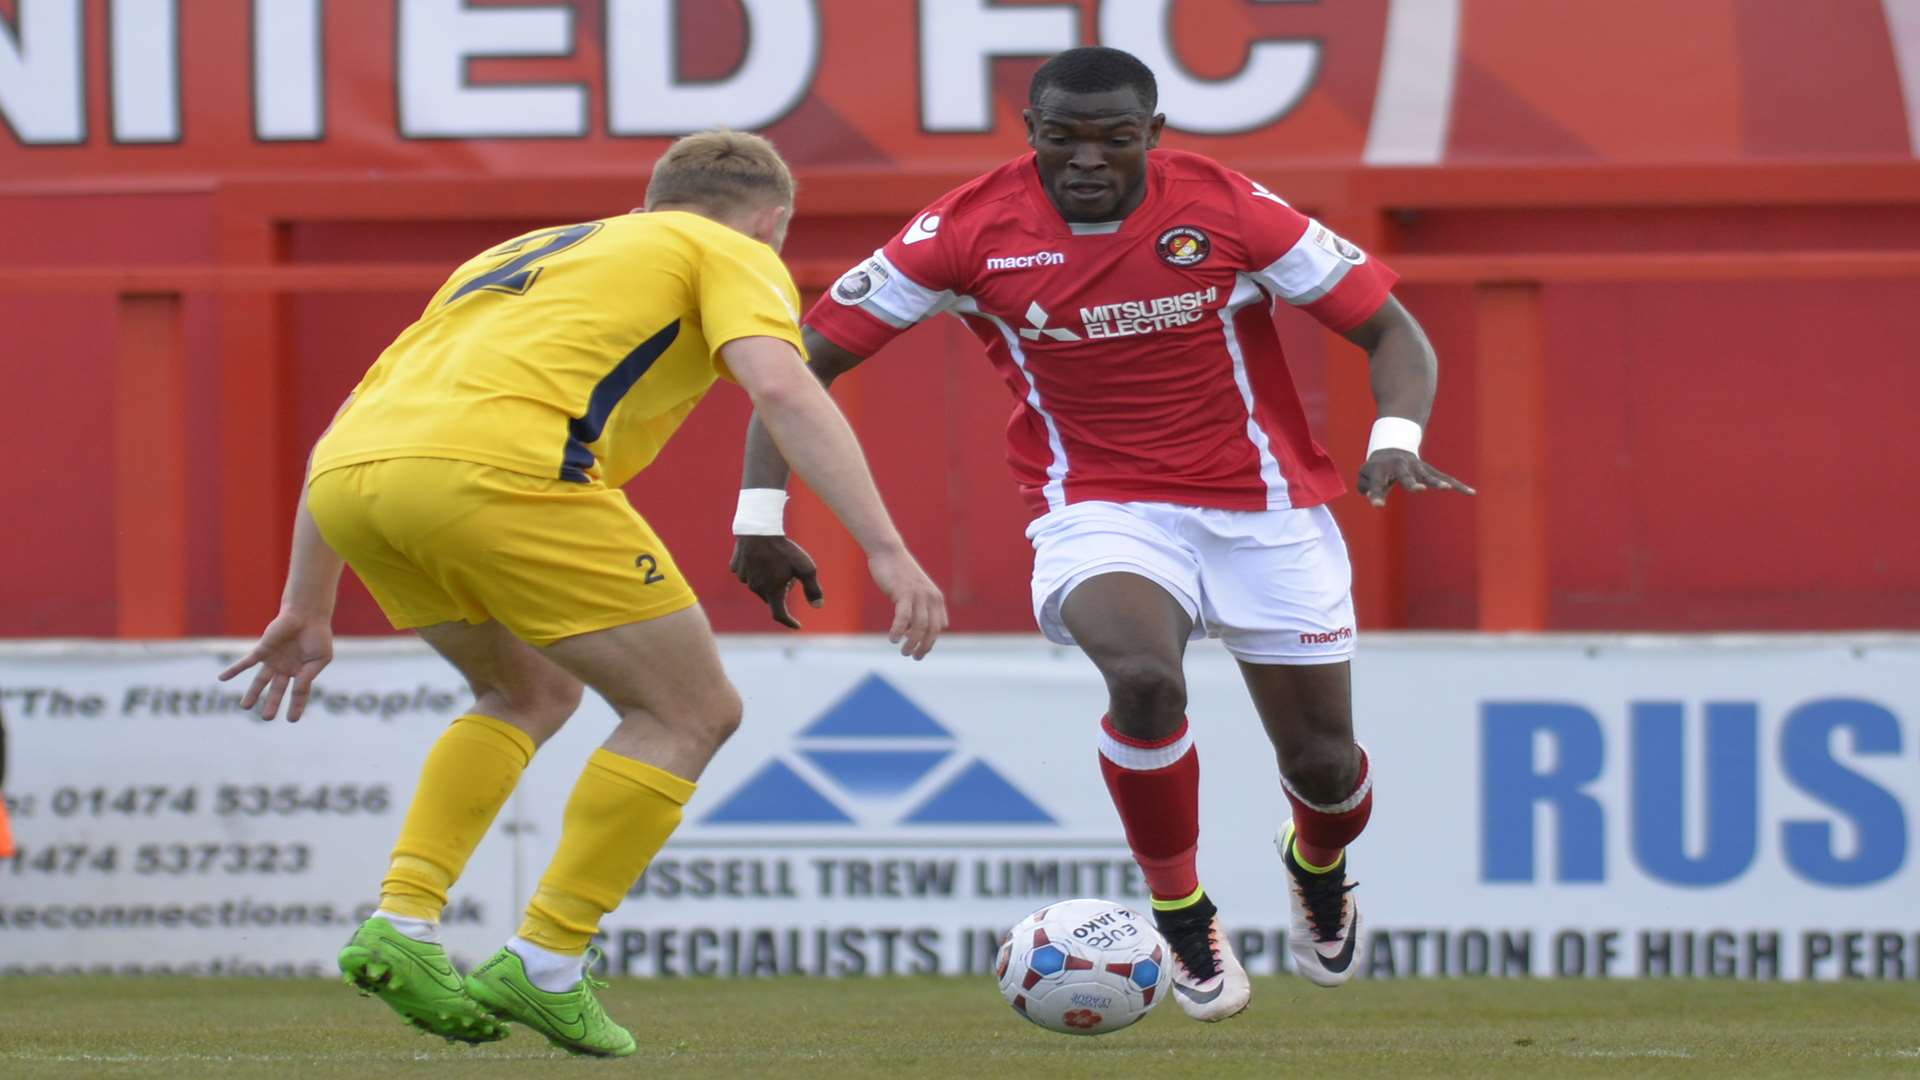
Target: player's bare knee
[(1147, 696), (539, 706), (709, 718), (1322, 771), (724, 716), (554, 701)]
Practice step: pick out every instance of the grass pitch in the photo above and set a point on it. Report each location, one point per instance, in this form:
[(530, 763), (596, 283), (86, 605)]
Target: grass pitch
[(850, 1029)]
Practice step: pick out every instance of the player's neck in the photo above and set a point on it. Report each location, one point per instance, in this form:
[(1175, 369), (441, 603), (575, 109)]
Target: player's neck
[(744, 222)]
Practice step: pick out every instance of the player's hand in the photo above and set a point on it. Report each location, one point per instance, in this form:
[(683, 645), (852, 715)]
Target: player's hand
[(291, 652), (1389, 467), (768, 567), (919, 611)]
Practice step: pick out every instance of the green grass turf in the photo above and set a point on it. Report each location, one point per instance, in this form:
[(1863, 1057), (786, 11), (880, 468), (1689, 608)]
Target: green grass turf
[(791, 1028)]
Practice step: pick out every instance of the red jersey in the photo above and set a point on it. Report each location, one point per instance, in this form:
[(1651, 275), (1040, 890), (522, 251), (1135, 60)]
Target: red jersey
[(1142, 352)]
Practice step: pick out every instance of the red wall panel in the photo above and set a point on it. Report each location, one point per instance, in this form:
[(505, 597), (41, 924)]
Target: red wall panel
[(1716, 453), (1739, 457)]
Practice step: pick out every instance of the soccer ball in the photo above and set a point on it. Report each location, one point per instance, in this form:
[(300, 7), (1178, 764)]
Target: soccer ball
[(1084, 967)]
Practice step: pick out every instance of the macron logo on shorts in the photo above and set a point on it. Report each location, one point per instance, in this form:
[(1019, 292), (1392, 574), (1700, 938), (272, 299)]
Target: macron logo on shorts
[(1329, 638)]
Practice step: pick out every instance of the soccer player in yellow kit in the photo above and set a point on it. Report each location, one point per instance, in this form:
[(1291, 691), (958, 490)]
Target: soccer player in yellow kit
[(473, 480)]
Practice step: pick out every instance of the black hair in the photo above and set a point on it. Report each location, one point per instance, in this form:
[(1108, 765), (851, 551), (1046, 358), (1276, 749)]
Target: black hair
[(1095, 69)]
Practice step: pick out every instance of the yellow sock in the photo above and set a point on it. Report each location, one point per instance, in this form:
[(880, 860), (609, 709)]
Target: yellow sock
[(468, 775), (618, 817)]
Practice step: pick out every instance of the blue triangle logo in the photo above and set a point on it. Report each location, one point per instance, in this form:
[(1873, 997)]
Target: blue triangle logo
[(777, 795), (875, 708), (876, 773), (979, 796)]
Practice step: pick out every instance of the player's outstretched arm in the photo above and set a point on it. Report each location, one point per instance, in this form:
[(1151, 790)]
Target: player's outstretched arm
[(1405, 375), (298, 643), (812, 435), (764, 559)]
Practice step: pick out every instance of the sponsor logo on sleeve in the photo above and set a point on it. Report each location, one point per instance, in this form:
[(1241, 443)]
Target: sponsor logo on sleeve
[(1183, 245), (1335, 244), (923, 228), (859, 283)]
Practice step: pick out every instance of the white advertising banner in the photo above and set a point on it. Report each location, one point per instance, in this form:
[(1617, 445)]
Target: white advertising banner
[(1544, 806)]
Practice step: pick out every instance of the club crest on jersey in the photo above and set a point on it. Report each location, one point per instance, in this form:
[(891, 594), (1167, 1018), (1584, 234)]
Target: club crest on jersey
[(1183, 245), (857, 284)]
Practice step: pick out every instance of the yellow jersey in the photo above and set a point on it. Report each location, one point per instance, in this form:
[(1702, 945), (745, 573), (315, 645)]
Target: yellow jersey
[(572, 352)]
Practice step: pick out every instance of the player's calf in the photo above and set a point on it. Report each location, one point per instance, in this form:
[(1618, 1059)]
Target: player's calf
[(1155, 784)]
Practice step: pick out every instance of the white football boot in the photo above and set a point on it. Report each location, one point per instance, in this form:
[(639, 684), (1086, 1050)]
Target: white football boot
[(1325, 939), (1208, 981)]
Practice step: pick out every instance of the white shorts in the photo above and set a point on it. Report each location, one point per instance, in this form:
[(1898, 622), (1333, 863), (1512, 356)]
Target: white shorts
[(1273, 585)]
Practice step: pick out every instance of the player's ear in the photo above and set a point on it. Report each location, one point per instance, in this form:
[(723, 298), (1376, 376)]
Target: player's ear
[(1153, 129), (1027, 115)]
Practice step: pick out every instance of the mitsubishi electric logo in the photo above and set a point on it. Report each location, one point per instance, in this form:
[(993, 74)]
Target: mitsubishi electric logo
[(1037, 318), (874, 757), (1133, 317)]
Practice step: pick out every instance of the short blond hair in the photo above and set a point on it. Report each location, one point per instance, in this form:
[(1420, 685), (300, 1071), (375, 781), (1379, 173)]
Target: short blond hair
[(720, 170)]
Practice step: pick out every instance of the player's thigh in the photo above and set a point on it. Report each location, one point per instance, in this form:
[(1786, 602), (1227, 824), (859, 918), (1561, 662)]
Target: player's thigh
[(1156, 594), (1276, 586), (668, 667), (511, 680), (1307, 710), (546, 558), (346, 505), (1117, 615)]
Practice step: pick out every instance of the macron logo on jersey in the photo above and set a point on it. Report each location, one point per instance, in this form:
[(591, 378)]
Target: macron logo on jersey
[(923, 228), (1022, 262), (1260, 192)]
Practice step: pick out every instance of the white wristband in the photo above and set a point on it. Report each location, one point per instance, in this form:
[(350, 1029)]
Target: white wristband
[(1389, 433), (762, 512)]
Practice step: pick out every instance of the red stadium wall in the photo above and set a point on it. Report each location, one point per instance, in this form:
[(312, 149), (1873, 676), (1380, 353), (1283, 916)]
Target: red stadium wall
[(1671, 276), (1707, 445)]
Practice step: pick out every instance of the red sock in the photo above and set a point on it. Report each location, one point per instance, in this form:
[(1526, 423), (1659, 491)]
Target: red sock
[(1320, 831), (1156, 788)]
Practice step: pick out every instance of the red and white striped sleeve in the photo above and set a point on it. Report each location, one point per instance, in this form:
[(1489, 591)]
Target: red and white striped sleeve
[(1307, 264), (908, 280)]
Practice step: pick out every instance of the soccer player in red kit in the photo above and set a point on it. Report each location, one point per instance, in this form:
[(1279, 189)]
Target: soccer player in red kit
[(1125, 296)]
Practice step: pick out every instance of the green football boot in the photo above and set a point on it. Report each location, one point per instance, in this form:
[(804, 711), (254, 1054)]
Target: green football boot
[(416, 980), (572, 1020)]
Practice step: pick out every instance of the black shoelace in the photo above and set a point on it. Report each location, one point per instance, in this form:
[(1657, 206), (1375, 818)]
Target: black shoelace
[(1325, 896), (1189, 933)]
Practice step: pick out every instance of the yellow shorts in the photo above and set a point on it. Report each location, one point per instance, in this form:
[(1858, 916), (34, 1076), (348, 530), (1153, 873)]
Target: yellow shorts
[(437, 541)]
